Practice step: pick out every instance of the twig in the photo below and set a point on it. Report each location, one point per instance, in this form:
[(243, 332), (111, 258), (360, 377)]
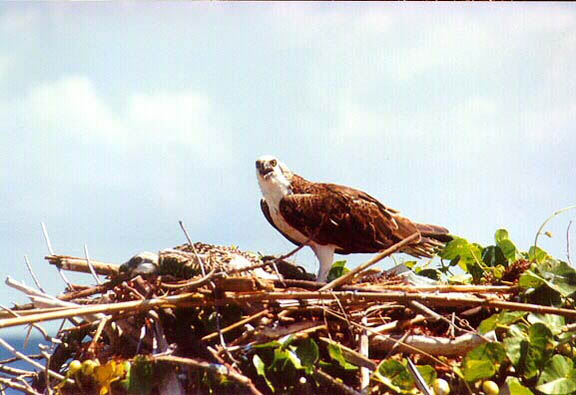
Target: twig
[(365, 352), (192, 284), (15, 371), (92, 271), (97, 289), (418, 379), (250, 385), (352, 356), (209, 367), (26, 389), (200, 261), (203, 269), (96, 337), (352, 273), (568, 242), (554, 214), (431, 345), (46, 238), (74, 264), (38, 327), (34, 278), (51, 251), (236, 324), (269, 262), (326, 378), (18, 354), (199, 299)]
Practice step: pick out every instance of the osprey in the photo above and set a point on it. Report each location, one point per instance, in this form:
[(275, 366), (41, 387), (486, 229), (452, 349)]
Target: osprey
[(334, 218)]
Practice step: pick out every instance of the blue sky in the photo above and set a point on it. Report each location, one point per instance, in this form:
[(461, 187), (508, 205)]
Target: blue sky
[(119, 119)]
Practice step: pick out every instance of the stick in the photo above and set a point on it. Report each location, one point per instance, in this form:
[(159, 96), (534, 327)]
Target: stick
[(348, 276), (34, 278), (92, 271), (354, 357), (74, 264), (236, 324), (209, 367), (326, 378), (200, 261), (51, 251), (96, 337), (18, 354), (25, 389), (365, 352), (137, 305), (431, 345), (568, 242), (199, 299), (217, 357)]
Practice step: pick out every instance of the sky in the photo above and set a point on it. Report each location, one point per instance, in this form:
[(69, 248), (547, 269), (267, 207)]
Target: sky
[(117, 120)]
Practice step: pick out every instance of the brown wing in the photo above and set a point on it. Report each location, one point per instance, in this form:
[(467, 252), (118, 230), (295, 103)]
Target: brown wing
[(266, 212), (350, 219)]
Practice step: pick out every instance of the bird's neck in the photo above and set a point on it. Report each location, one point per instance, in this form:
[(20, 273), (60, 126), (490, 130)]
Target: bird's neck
[(299, 184)]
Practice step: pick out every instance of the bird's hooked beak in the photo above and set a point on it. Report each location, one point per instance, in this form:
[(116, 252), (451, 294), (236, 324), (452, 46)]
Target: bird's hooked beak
[(265, 167)]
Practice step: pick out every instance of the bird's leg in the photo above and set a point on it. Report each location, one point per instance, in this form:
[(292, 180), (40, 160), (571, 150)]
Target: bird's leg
[(325, 255)]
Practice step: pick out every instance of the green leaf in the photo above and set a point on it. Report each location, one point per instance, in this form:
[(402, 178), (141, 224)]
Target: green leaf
[(434, 274), (516, 344), (307, 352), (261, 369), (529, 279), (283, 357), (557, 275), (537, 254), (483, 361), (428, 373), (335, 353), (514, 387), (338, 269), (467, 255), (506, 246), (528, 348), (538, 350), (552, 321), (142, 378), (455, 248), (395, 375), (501, 235), (492, 256), (272, 344), (503, 318), (509, 250), (558, 377)]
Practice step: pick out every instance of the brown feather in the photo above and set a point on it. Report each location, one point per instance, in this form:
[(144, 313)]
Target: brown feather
[(350, 219)]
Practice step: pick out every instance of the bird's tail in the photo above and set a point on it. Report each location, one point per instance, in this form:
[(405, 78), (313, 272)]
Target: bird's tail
[(433, 238)]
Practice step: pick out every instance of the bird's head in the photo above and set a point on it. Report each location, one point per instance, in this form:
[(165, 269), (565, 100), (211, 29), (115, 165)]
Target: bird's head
[(273, 174)]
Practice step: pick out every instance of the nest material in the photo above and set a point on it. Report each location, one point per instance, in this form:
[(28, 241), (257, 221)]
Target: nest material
[(206, 311)]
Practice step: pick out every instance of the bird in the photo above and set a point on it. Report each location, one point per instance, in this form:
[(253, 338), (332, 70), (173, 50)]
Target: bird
[(331, 218)]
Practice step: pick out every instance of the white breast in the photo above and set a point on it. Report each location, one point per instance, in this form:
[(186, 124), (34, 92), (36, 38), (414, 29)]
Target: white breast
[(284, 227)]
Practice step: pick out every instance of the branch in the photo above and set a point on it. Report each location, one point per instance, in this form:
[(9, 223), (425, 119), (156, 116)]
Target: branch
[(352, 273)]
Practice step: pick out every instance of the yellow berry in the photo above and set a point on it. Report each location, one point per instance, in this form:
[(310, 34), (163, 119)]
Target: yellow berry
[(88, 367), (441, 387), (490, 388), (74, 366)]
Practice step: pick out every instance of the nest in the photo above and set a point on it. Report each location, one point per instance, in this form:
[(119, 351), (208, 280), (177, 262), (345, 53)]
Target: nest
[(200, 318)]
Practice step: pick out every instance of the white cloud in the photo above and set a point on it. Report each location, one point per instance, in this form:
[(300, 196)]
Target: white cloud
[(72, 106), (18, 18), (452, 45)]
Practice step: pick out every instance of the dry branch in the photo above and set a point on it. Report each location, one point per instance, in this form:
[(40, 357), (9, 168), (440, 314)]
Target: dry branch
[(74, 264)]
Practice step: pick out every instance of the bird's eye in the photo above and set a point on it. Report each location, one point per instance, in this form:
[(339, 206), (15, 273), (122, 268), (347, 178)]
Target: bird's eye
[(273, 163)]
